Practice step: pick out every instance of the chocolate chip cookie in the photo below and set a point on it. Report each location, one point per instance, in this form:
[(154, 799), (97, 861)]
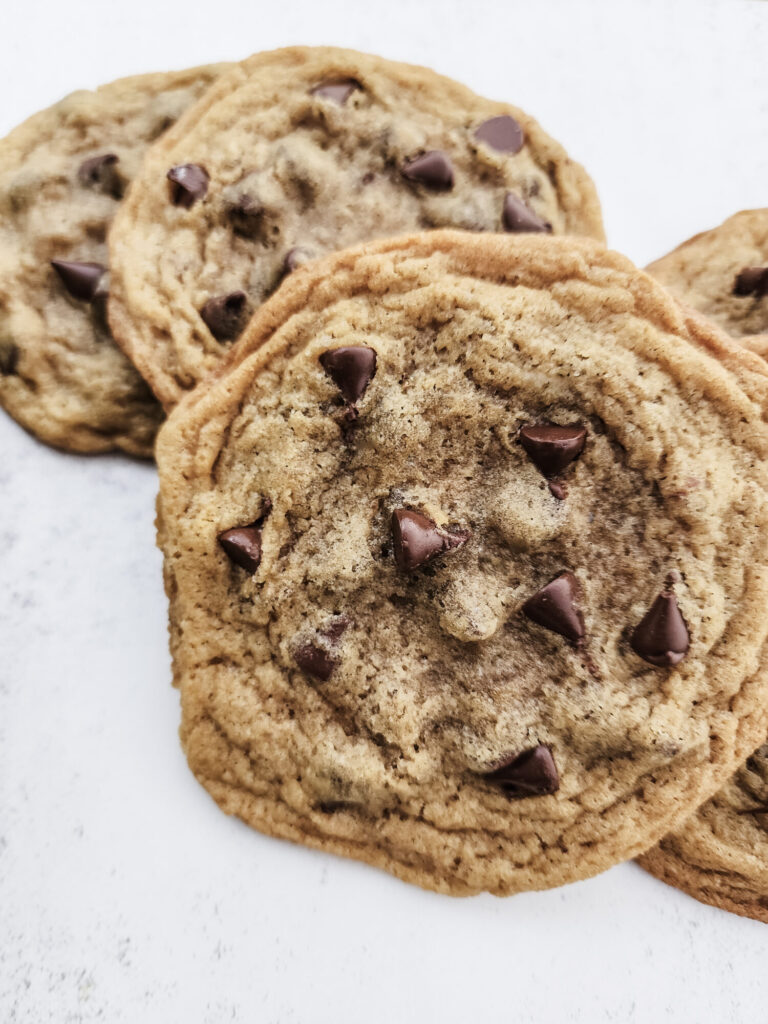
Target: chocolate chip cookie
[(720, 854), (466, 546), (299, 152), (62, 175), (724, 274)]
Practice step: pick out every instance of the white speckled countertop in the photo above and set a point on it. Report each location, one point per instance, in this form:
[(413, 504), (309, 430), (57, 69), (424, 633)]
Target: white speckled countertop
[(125, 895)]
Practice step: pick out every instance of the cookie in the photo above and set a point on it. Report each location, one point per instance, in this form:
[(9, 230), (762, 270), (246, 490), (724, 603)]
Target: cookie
[(466, 546), (720, 854), (63, 173), (724, 274), (299, 152)]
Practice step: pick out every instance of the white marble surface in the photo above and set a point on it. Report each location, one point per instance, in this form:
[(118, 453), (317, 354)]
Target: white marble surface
[(125, 896)]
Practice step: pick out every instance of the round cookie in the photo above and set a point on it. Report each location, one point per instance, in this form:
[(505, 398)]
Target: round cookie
[(62, 175), (299, 152), (466, 546), (724, 274), (720, 854)]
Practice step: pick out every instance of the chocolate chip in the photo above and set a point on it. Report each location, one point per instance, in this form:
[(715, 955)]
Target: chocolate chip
[(243, 543), (553, 607), (751, 281), (337, 90), (9, 358), (225, 315), (336, 628), (246, 214), (518, 216), (417, 540), (295, 258), (101, 172), (351, 368), (433, 170), (243, 546), (558, 489), (80, 279), (501, 133), (552, 447), (532, 773), (189, 182), (661, 637), (315, 661)]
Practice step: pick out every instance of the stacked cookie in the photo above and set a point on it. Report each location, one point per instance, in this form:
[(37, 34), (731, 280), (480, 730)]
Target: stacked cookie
[(464, 517)]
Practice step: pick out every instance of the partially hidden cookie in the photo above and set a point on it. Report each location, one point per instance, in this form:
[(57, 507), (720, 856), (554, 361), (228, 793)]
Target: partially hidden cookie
[(724, 274), (63, 173), (301, 151), (720, 854), (466, 546)]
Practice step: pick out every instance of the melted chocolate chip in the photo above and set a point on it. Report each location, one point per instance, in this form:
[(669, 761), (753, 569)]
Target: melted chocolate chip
[(243, 546), (351, 368), (433, 170), (225, 315), (552, 447), (502, 133), (100, 172), (189, 182), (416, 539), (80, 279), (9, 358), (532, 773), (295, 258), (518, 216), (246, 214), (553, 607), (336, 628), (661, 637), (337, 90), (314, 661), (751, 281), (558, 489)]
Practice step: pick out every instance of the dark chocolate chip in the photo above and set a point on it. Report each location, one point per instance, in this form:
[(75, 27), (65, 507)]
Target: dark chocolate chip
[(336, 628), (433, 170), (80, 279), (314, 661), (189, 182), (225, 315), (246, 214), (661, 637), (295, 258), (558, 489), (100, 172), (518, 216), (416, 539), (552, 447), (751, 281), (554, 607), (337, 90), (502, 133), (9, 358), (351, 368), (243, 546), (532, 773)]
